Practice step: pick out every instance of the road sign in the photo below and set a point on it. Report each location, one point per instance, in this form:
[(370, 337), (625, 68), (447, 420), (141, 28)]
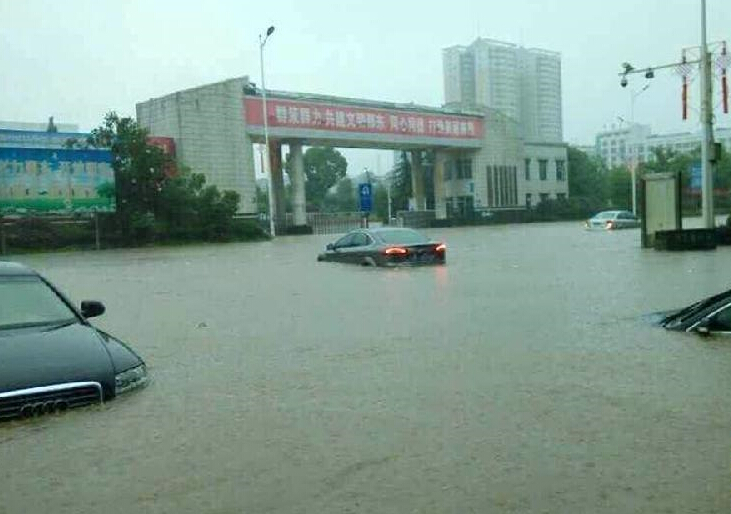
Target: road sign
[(365, 195), (695, 176)]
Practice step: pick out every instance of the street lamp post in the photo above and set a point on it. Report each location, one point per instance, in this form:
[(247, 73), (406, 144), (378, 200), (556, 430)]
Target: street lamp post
[(267, 169), (633, 166)]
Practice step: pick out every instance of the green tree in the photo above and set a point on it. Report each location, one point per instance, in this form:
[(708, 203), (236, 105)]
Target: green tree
[(191, 209), (587, 180), (345, 196), (620, 187), (324, 167), (262, 200), (139, 170), (401, 183), (380, 202)]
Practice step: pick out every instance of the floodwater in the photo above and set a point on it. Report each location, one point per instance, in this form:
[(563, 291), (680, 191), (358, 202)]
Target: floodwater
[(521, 378)]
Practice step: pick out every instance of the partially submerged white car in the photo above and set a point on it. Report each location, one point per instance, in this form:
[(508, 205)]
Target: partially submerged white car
[(613, 220)]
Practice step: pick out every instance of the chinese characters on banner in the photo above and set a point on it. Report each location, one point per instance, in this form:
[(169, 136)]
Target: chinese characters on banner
[(292, 114)]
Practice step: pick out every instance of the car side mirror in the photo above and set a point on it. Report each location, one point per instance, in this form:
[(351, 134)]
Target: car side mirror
[(92, 309), (703, 327), (330, 246)]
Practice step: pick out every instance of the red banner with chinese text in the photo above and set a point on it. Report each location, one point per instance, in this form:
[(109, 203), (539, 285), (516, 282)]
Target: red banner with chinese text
[(346, 118)]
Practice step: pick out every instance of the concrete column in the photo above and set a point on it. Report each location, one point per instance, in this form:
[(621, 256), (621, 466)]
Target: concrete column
[(297, 177), (275, 167), (417, 181), (440, 200)]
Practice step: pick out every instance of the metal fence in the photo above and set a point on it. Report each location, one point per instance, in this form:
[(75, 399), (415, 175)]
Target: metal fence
[(329, 222)]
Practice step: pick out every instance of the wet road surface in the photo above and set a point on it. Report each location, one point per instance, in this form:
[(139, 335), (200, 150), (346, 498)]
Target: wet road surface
[(521, 377)]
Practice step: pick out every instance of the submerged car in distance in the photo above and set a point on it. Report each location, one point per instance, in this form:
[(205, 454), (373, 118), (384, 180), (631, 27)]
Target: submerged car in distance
[(612, 220), (51, 358), (385, 247), (711, 315)]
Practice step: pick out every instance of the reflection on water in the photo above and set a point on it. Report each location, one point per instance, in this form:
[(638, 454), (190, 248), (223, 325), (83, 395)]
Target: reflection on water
[(522, 377)]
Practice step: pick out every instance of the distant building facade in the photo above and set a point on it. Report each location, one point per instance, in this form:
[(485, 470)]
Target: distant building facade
[(522, 83), (634, 144)]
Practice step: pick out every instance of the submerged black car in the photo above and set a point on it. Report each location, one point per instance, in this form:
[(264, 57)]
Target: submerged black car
[(385, 247), (51, 358), (707, 316)]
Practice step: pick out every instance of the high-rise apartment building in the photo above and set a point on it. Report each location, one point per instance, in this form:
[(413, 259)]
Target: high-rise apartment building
[(522, 83)]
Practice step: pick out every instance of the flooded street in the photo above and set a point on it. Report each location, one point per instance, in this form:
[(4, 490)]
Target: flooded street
[(521, 377)]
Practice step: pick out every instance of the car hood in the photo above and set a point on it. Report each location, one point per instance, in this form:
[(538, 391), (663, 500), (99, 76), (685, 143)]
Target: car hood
[(74, 353)]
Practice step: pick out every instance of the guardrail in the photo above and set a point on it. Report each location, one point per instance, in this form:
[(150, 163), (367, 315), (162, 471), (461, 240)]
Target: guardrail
[(327, 222)]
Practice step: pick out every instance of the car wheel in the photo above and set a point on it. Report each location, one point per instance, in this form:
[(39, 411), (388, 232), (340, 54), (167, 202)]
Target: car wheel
[(368, 261)]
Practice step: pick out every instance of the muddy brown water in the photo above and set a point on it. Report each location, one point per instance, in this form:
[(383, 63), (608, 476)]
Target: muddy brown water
[(521, 377)]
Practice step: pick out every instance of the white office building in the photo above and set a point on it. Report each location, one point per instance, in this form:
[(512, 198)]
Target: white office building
[(522, 83), (630, 145)]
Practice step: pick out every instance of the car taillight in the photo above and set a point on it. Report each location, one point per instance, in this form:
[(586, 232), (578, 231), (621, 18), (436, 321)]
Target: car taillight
[(610, 224), (441, 248), (396, 250)]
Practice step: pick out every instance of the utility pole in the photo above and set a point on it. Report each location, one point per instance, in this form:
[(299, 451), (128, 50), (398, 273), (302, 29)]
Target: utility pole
[(708, 148), (707, 156)]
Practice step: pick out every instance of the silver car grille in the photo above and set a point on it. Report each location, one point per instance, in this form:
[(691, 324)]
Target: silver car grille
[(38, 401)]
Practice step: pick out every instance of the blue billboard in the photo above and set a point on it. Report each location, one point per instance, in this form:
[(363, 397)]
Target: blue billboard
[(55, 180)]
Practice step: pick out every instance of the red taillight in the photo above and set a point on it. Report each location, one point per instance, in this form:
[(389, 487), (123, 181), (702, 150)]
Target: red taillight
[(610, 224), (396, 250), (441, 248)]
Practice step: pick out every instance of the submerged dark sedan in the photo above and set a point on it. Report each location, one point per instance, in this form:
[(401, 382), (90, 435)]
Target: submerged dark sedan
[(711, 315), (385, 247), (51, 357)]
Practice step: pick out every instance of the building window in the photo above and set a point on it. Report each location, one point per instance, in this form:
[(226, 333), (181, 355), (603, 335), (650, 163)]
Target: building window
[(490, 190), (527, 169), (561, 196), (448, 170), (27, 192), (560, 168), (463, 169), (528, 200), (544, 197), (542, 169)]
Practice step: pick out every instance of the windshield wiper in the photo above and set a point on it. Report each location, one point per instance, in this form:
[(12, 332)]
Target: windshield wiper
[(52, 325), (61, 324)]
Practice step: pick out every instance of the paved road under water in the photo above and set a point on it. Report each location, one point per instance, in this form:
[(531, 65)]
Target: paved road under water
[(521, 377)]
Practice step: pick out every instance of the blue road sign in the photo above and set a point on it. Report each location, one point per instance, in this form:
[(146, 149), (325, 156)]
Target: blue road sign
[(365, 195), (695, 176)]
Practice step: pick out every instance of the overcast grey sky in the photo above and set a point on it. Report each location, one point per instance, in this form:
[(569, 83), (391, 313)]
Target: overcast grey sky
[(78, 59)]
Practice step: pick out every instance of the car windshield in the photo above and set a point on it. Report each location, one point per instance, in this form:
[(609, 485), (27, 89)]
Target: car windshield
[(28, 302), (605, 215), (402, 237)]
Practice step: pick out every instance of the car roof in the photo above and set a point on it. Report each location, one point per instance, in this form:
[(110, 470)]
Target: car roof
[(376, 230), (9, 268)]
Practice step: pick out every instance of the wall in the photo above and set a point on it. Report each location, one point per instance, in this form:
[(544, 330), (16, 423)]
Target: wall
[(501, 147), (208, 126), (535, 186)]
